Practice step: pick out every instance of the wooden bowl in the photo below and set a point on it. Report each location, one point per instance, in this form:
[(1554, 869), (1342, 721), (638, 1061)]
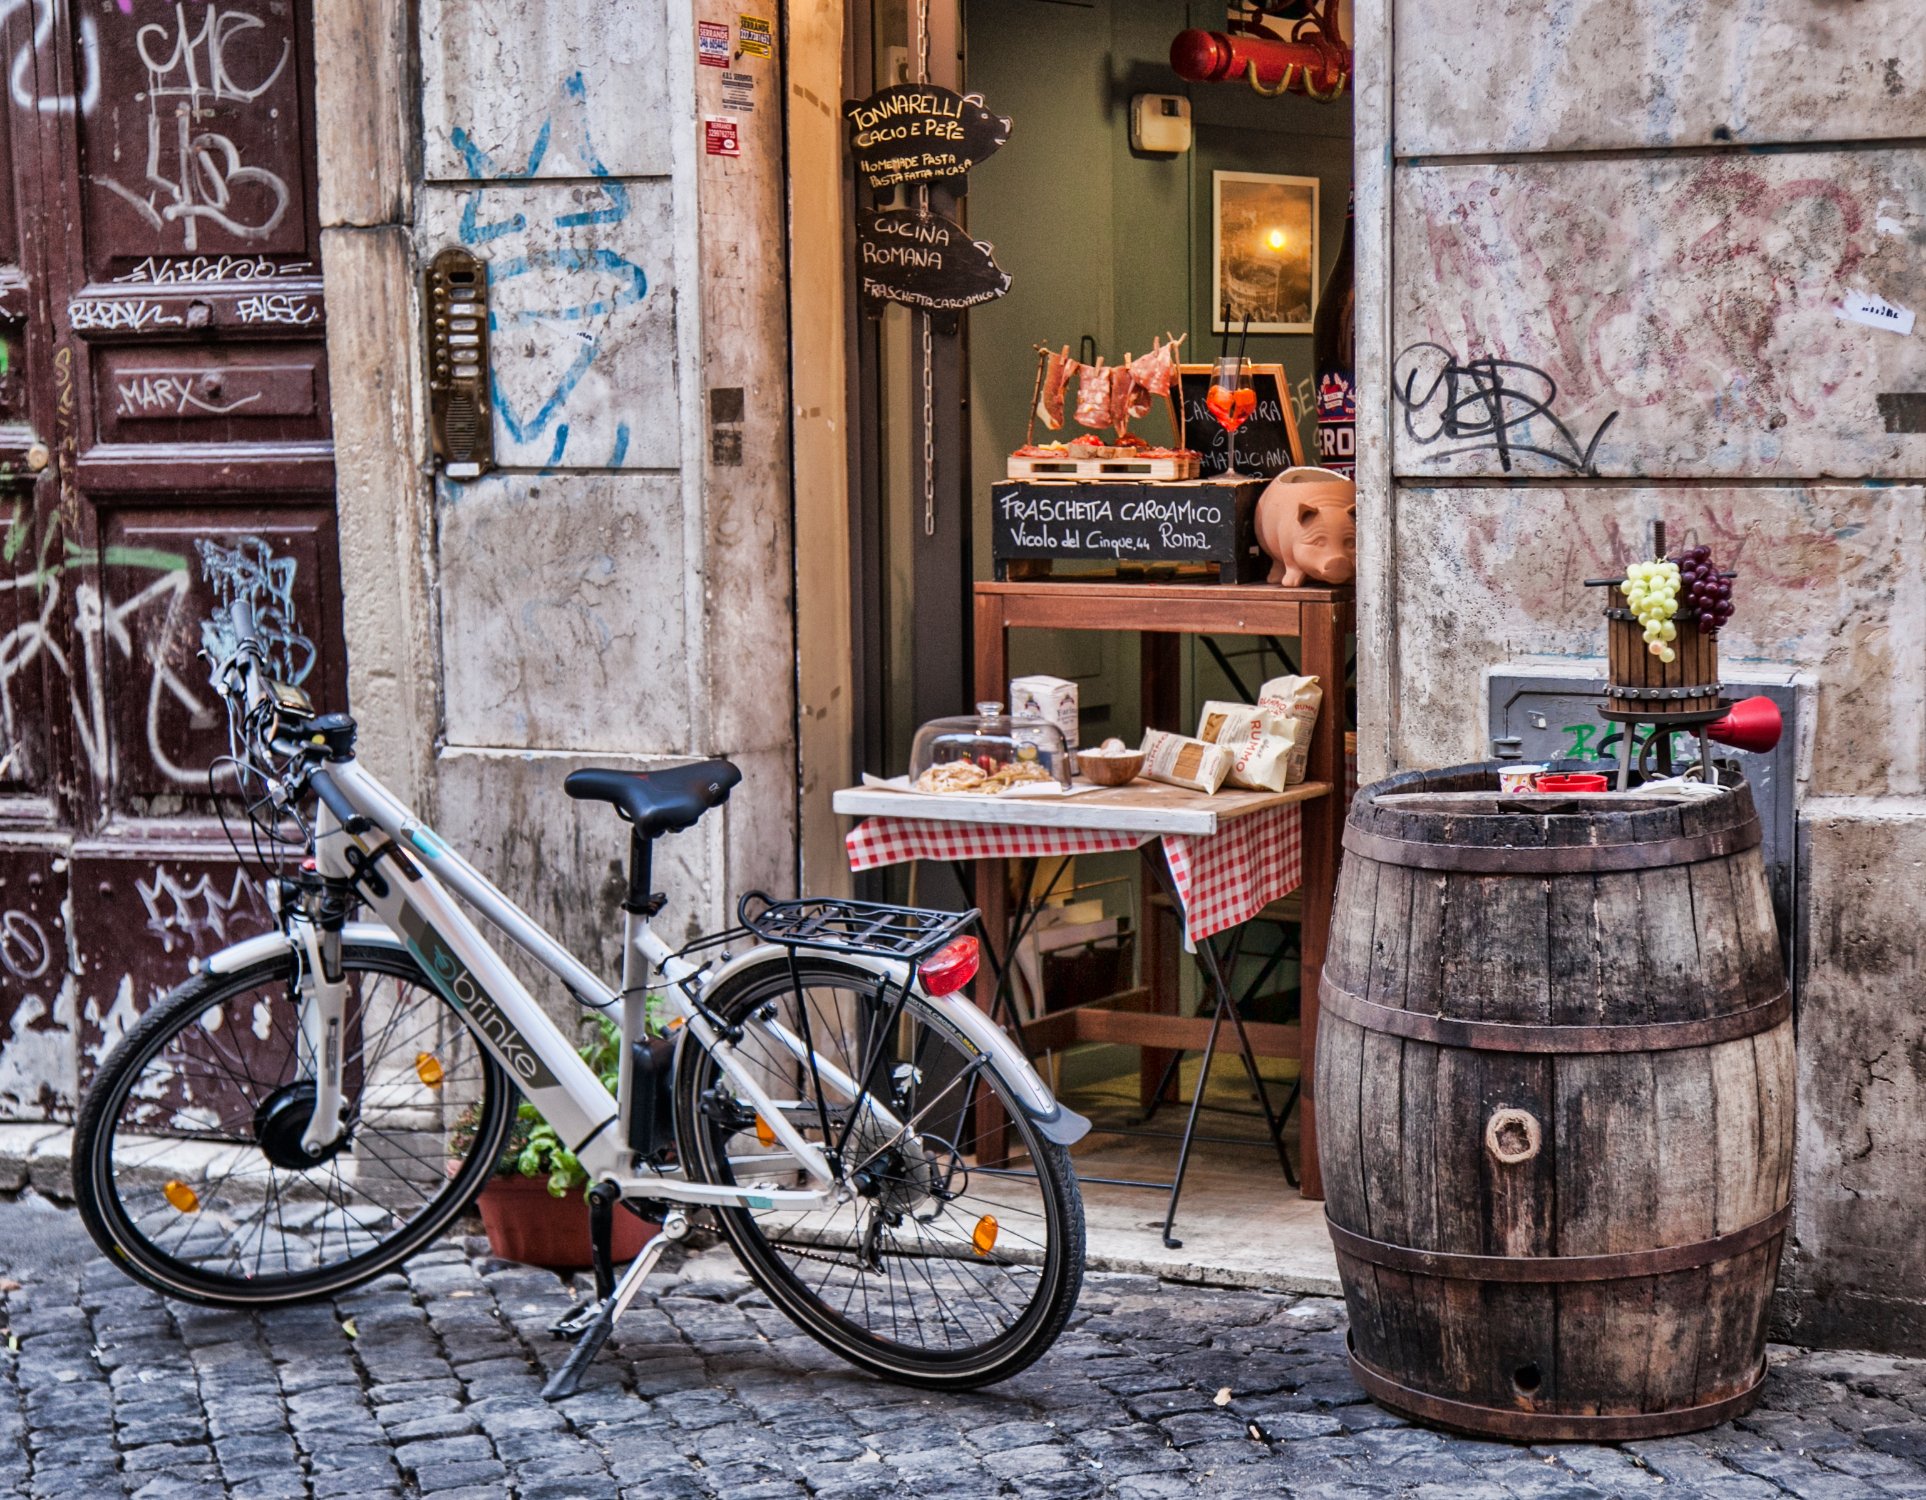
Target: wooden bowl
[(1110, 770)]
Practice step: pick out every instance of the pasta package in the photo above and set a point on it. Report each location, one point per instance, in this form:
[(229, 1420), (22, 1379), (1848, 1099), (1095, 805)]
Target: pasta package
[(1259, 758), (1291, 705), (1183, 761)]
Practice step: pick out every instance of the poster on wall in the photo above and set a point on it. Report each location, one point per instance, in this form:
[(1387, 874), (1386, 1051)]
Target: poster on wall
[(1263, 252)]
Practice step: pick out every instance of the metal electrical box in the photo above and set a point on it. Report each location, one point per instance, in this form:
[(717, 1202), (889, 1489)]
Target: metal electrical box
[(1538, 716), (455, 308)]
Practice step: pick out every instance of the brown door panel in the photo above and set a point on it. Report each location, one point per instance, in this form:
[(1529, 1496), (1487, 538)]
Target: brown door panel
[(142, 913), (211, 393), (169, 570), (36, 1048), (198, 142)]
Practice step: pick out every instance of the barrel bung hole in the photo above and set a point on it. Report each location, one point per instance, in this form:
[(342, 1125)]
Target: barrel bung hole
[(1527, 1379)]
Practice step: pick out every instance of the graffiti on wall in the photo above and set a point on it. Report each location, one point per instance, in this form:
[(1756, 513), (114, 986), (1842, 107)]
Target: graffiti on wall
[(1487, 405), (556, 305), (152, 626)]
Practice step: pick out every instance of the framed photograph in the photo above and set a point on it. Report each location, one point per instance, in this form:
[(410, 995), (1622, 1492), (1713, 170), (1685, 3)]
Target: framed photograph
[(1263, 251)]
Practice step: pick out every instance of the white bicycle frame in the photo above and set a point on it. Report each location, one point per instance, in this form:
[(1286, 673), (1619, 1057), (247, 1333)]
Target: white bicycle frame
[(405, 872)]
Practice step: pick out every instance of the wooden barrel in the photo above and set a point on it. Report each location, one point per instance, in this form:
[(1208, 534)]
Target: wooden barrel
[(1640, 682), (1555, 1106)]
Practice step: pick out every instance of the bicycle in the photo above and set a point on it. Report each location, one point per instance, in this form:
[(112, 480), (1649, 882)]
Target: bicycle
[(320, 1101)]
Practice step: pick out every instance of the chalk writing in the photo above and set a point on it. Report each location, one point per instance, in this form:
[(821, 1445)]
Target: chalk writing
[(23, 72), (25, 952), (144, 395), (1486, 405), (120, 317), (194, 913), (289, 308), (165, 270), (199, 175)]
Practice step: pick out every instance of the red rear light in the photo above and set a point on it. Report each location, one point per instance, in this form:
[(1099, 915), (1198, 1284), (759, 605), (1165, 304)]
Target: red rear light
[(949, 968)]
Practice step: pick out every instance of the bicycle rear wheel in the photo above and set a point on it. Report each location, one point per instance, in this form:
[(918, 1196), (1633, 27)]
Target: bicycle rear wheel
[(944, 1269), (188, 1164)]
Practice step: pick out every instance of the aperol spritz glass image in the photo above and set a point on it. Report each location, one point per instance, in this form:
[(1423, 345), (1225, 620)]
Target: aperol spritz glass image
[(1230, 401)]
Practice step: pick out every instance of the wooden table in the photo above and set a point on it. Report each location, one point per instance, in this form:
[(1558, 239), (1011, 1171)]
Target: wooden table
[(1321, 619)]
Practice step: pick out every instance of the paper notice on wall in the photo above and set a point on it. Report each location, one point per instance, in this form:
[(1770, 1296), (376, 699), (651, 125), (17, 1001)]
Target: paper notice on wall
[(756, 37), (719, 136), (712, 44), (1875, 312), (739, 92)]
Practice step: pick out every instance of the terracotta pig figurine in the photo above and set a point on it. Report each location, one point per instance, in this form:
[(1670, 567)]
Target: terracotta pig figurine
[(1307, 524)]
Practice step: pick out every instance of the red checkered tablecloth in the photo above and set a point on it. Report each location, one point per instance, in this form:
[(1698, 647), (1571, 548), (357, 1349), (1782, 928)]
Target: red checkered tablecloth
[(1222, 879)]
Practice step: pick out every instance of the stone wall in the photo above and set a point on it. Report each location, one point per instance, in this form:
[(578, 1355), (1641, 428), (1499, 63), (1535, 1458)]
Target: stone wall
[(1582, 195), (618, 591)]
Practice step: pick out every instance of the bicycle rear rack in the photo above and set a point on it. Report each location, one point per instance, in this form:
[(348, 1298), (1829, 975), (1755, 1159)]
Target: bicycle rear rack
[(829, 925)]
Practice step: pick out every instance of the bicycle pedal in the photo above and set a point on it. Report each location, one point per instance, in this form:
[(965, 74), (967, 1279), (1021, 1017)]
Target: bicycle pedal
[(572, 1323)]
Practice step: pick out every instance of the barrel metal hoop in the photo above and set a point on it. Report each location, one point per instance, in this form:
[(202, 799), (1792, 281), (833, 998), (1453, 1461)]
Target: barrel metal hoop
[(1665, 694), (1632, 1265), (1506, 1036), (1548, 1426), (1555, 859)]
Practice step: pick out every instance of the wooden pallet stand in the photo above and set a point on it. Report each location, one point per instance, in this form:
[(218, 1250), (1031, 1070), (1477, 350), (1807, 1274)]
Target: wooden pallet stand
[(1153, 469)]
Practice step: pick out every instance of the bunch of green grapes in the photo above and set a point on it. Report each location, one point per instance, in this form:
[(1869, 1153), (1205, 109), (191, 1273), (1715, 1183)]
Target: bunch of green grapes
[(1652, 589)]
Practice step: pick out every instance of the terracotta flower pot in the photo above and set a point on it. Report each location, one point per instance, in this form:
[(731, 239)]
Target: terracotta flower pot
[(526, 1223)]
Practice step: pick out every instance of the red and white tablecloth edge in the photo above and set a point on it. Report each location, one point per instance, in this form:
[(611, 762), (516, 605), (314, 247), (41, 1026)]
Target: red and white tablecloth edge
[(1222, 879)]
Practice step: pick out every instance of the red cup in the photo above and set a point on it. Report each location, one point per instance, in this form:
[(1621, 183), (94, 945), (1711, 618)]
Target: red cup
[(1572, 781)]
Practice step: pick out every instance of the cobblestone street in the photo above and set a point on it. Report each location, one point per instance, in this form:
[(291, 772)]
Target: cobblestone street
[(427, 1385)]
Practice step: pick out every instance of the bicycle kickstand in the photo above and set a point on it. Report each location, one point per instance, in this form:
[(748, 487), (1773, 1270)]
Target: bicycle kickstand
[(591, 1326)]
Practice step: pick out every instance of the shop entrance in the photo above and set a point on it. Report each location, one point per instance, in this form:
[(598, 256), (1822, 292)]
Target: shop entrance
[(164, 450), (1109, 247)]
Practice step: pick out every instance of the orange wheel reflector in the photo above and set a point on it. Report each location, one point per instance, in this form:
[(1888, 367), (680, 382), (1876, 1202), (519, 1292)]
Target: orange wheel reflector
[(428, 1069), (764, 1133), (984, 1235), (181, 1196)]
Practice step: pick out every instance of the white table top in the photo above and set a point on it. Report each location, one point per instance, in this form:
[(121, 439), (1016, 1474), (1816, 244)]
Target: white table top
[(1147, 807)]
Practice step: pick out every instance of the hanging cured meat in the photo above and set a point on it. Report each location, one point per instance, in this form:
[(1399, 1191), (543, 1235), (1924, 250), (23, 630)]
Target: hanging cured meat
[(1057, 370)]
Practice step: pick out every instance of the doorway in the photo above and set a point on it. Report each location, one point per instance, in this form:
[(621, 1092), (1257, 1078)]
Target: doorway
[(164, 451)]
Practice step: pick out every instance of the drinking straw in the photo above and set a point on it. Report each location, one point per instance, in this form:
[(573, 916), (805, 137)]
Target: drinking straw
[(1223, 351), (1243, 339)]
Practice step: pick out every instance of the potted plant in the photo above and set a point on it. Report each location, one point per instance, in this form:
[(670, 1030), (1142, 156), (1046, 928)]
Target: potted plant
[(535, 1206)]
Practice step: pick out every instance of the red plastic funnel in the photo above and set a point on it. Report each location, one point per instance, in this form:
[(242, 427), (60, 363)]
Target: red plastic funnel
[(1751, 724)]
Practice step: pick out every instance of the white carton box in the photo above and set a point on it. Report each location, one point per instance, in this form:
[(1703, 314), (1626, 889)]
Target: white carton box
[(1051, 699)]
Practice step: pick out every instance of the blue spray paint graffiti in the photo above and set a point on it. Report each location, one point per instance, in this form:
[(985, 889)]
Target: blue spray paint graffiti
[(608, 281)]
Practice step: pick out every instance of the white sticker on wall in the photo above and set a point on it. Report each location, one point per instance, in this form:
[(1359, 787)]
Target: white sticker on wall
[(1875, 312)]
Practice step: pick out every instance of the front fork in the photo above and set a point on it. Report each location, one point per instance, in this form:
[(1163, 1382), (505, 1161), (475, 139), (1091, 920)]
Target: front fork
[(323, 1003)]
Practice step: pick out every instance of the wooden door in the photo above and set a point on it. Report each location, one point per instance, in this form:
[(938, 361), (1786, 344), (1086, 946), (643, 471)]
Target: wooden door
[(164, 450)]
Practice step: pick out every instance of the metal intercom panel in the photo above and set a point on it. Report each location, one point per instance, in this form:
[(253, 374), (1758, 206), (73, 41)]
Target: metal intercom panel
[(1543, 717), (455, 307)]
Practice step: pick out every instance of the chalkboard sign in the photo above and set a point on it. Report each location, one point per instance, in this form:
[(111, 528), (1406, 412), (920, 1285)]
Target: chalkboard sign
[(1267, 444), (918, 132), (924, 260), (1208, 521)]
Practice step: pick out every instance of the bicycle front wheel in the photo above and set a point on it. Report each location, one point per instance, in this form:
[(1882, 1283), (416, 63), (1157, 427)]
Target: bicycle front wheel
[(957, 1258), (189, 1166)]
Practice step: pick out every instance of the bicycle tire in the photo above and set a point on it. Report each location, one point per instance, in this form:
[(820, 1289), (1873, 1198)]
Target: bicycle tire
[(1061, 1277), (106, 1215)]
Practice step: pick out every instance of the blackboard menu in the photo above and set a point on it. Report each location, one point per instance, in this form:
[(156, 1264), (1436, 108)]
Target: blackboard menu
[(918, 132), (1267, 444), (1187, 521), (924, 260)]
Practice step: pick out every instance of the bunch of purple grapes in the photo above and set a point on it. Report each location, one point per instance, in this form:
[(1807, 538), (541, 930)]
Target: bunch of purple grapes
[(1704, 591)]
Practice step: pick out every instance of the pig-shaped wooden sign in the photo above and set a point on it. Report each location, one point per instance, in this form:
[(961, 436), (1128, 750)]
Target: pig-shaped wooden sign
[(1307, 524)]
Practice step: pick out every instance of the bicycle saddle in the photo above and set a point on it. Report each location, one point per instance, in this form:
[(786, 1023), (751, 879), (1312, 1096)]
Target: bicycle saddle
[(657, 802)]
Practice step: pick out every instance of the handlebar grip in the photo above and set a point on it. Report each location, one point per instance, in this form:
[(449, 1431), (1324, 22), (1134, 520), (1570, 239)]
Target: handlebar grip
[(241, 613), (337, 801)]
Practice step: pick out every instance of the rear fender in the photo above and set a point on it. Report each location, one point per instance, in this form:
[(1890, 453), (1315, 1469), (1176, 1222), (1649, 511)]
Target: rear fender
[(1053, 1122)]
